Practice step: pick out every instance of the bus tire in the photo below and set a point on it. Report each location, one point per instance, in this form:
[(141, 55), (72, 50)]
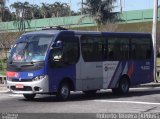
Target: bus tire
[(63, 92), (123, 87), (90, 92), (29, 96)]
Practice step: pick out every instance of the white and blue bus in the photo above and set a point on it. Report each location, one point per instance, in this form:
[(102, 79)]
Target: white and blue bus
[(59, 61)]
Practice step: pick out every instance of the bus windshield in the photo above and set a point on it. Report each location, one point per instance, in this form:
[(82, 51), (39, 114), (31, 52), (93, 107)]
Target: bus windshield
[(32, 48)]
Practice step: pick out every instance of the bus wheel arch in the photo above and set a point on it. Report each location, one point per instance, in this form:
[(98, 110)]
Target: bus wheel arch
[(123, 85), (64, 88)]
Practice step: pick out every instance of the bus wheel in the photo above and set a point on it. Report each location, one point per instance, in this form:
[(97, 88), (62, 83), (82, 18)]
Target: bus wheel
[(90, 92), (124, 85), (29, 96), (63, 92)]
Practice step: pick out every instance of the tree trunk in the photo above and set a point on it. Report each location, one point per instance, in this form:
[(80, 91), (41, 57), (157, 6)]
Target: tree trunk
[(98, 27)]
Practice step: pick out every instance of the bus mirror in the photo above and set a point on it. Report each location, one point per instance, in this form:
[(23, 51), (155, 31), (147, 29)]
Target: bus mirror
[(57, 55), (58, 45)]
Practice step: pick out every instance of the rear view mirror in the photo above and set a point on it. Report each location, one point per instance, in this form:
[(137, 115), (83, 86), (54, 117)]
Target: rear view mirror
[(57, 45), (57, 51), (57, 55)]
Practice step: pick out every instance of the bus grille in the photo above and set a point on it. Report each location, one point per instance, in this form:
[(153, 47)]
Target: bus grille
[(22, 80)]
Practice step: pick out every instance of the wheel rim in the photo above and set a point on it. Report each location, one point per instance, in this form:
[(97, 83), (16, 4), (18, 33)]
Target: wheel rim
[(124, 86), (64, 92)]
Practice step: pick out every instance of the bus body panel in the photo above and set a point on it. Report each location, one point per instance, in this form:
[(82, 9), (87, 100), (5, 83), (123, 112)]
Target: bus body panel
[(142, 72), (29, 75), (25, 79), (91, 72), (110, 72), (56, 75), (137, 72)]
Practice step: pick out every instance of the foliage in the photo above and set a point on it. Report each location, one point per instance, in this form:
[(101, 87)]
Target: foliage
[(101, 11), (7, 15), (21, 15), (3, 66), (22, 24), (22, 11)]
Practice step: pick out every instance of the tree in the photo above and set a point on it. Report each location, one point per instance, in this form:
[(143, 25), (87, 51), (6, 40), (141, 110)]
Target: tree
[(13, 14), (66, 11), (7, 15), (60, 9), (26, 10), (23, 16), (45, 10), (35, 11), (17, 6), (2, 9), (101, 11), (22, 10)]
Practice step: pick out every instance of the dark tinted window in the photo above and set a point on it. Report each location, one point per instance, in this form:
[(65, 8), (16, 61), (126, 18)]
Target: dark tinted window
[(69, 54), (118, 48), (92, 48), (70, 51), (141, 48)]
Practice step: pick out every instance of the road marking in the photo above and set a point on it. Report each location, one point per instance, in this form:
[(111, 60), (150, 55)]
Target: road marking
[(6, 91), (129, 102), (139, 88), (15, 95)]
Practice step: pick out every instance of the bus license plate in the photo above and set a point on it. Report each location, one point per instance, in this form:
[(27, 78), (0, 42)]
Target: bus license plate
[(19, 86)]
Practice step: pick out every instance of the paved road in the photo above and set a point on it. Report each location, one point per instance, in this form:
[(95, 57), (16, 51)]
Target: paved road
[(139, 100)]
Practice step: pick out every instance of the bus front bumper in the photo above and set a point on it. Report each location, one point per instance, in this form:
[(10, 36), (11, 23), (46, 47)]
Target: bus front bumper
[(40, 86)]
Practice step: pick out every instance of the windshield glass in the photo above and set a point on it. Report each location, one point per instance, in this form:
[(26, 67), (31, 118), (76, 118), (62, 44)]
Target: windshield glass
[(32, 48)]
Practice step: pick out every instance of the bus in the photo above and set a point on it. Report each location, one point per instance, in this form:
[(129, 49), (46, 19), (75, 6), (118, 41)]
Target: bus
[(55, 61)]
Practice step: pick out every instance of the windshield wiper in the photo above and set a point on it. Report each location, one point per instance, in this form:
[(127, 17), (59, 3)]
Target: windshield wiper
[(28, 64), (22, 64)]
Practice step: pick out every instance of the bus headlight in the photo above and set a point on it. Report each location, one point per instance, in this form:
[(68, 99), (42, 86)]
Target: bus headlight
[(37, 78)]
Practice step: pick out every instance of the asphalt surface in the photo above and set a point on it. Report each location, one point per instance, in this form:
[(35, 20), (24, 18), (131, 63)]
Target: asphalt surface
[(140, 100)]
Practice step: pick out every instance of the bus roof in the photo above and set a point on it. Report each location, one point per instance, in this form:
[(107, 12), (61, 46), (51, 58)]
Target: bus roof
[(42, 32), (77, 32)]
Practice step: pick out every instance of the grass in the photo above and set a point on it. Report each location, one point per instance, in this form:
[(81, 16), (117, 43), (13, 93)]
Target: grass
[(3, 73), (158, 61), (3, 67)]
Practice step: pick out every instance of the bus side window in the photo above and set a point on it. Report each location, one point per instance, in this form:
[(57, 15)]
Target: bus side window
[(141, 48), (148, 54), (111, 55), (69, 51), (118, 48), (133, 52), (92, 48)]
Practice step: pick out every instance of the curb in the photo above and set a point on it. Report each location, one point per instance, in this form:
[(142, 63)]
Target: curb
[(4, 91), (3, 88), (153, 84)]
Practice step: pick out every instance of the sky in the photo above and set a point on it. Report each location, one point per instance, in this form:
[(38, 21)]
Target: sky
[(76, 4)]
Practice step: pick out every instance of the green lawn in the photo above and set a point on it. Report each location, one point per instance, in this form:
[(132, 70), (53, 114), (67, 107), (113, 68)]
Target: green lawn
[(3, 66), (158, 61)]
